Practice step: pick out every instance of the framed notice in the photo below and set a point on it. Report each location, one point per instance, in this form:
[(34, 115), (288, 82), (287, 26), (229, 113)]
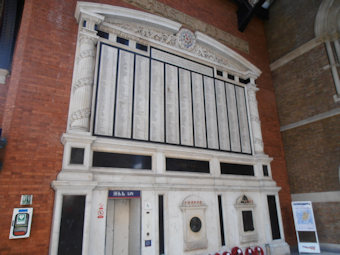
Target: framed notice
[(305, 228)]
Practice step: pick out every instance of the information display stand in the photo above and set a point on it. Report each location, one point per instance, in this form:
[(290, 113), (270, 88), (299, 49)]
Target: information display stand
[(305, 228)]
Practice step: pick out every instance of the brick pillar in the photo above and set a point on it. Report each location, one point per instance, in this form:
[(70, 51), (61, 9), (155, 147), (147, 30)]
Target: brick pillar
[(254, 118), (83, 76)]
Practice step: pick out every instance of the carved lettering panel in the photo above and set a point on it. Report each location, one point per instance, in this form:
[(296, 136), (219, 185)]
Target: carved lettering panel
[(141, 99), (172, 114), (148, 99), (157, 102), (223, 125), (186, 107), (211, 115), (106, 91), (124, 95)]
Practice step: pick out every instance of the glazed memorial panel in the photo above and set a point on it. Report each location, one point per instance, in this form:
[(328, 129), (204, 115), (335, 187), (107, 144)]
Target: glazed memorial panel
[(162, 97)]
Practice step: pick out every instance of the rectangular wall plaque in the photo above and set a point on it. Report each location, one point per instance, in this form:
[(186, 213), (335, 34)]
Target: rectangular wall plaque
[(113, 194)]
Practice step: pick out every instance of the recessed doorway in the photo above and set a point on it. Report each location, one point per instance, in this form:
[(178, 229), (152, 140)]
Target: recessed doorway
[(123, 232)]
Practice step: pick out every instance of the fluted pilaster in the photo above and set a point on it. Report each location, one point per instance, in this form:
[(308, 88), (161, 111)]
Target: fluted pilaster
[(254, 118), (83, 78)]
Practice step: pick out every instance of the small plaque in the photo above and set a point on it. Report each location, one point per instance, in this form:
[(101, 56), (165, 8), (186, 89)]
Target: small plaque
[(124, 194), (195, 224), (26, 199)]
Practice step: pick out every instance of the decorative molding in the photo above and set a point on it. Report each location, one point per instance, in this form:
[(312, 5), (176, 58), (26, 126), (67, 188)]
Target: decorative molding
[(190, 22), (326, 21), (318, 197), (119, 13), (80, 114), (186, 39), (312, 119), (205, 47)]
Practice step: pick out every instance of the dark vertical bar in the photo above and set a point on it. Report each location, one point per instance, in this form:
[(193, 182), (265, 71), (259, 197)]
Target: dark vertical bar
[(238, 118), (12, 11), (97, 88), (71, 225), (218, 130), (133, 92), (161, 224), (226, 105), (179, 107), (220, 210), (245, 101), (274, 219), (192, 111), (164, 76), (115, 103), (205, 113)]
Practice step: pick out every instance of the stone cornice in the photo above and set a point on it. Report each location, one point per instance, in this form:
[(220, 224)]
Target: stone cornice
[(154, 28)]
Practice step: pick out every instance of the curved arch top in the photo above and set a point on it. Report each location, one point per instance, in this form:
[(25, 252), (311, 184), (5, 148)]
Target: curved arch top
[(219, 54), (327, 21)]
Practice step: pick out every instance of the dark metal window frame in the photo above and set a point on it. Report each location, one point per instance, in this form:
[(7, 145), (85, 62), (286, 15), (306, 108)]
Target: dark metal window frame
[(119, 49)]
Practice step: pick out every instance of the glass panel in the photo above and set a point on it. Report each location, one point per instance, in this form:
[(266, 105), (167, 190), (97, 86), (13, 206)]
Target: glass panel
[(186, 165), (247, 217), (106, 159), (237, 169), (71, 225), (274, 220)]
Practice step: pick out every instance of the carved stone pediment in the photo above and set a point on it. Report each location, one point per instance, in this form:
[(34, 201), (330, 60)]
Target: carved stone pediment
[(141, 26)]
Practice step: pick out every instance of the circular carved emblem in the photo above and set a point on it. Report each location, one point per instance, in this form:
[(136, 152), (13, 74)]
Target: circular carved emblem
[(186, 39), (195, 224)]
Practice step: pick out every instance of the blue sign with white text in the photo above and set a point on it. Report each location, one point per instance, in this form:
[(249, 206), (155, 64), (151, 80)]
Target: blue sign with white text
[(124, 193)]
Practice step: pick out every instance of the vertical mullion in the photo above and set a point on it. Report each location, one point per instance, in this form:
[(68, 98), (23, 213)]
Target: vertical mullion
[(226, 104), (150, 77), (218, 129), (238, 119), (161, 223), (246, 105), (164, 76), (97, 88), (205, 113), (133, 93), (220, 210), (179, 108), (192, 112), (116, 87)]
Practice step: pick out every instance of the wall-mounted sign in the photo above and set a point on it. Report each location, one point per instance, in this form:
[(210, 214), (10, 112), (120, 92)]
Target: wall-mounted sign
[(21, 223), (26, 199), (147, 243), (305, 227), (100, 212), (113, 194)]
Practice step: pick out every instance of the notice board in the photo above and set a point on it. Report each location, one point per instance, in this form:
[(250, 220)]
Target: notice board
[(305, 227)]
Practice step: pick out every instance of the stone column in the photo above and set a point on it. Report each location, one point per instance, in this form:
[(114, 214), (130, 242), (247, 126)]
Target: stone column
[(254, 117), (83, 76)]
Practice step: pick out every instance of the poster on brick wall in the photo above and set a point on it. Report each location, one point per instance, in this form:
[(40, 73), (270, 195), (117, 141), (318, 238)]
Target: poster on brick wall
[(305, 227)]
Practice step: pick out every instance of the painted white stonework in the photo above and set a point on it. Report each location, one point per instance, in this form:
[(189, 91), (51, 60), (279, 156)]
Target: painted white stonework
[(155, 109)]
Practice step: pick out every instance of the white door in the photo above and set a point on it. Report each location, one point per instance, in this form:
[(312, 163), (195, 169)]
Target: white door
[(123, 227)]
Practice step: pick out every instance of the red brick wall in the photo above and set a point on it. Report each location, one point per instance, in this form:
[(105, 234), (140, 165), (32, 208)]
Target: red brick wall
[(291, 25), (36, 109), (313, 153), (327, 220), (304, 87)]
